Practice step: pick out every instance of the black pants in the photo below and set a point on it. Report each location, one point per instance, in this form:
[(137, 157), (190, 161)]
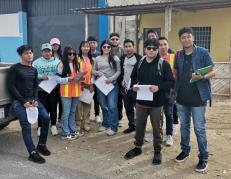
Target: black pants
[(141, 122), (50, 102), (120, 103), (60, 104), (175, 115), (129, 105), (96, 102)]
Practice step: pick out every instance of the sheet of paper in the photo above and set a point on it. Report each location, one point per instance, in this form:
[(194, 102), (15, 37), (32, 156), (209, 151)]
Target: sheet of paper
[(48, 85), (144, 93), (87, 96), (102, 86)]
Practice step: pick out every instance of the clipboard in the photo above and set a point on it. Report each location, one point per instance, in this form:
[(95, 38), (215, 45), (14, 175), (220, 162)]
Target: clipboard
[(202, 71)]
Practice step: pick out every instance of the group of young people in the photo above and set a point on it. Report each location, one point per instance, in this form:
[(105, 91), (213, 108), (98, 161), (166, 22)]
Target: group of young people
[(167, 72)]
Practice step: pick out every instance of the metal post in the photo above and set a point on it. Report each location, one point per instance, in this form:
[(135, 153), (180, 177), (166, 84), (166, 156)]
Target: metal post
[(168, 21), (86, 25)]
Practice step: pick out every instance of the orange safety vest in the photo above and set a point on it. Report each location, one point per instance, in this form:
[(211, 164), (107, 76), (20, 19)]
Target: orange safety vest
[(170, 59), (70, 90), (86, 66)]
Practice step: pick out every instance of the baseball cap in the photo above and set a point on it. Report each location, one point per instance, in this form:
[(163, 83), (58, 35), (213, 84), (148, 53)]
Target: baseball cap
[(55, 41), (46, 46)]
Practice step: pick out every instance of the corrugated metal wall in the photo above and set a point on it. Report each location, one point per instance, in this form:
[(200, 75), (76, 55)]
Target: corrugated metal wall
[(57, 7), (10, 6), (53, 18)]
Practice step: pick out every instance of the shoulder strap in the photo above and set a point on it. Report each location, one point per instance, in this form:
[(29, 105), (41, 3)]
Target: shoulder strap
[(160, 66), (139, 64)]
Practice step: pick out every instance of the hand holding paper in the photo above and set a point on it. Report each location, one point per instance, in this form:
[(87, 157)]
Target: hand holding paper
[(48, 85), (144, 93), (80, 76), (102, 86)]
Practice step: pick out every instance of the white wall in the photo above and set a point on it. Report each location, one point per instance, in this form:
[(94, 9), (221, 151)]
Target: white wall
[(9, 25)]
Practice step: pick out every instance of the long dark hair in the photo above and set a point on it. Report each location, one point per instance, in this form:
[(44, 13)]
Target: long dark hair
[(111, 59), (66, 67), (59, 52), (89, 53)]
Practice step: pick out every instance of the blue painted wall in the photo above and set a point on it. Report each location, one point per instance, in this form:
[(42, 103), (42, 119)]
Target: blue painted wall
[(103, 24), (9, 45)]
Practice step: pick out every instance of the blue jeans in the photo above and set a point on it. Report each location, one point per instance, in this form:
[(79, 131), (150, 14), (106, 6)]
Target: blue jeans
[(68, 122), (168, 112), (20, 112), (198, 116), (109, 108)]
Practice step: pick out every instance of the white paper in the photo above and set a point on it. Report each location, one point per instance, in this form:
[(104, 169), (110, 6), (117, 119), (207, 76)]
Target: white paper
[(87, 96), (48, 85), (32, 114), (102, 86), (144, 93)]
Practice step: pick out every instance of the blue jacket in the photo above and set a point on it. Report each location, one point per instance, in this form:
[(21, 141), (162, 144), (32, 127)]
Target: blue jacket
[(200, 58)]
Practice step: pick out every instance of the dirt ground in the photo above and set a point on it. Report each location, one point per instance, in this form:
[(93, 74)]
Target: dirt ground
[(102, 156)]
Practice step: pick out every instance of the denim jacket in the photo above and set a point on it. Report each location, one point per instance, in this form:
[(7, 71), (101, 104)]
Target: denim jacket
[(200, 58)]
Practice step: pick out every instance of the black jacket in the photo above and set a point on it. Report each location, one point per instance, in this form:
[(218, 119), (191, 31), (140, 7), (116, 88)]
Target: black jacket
[(148, 74)]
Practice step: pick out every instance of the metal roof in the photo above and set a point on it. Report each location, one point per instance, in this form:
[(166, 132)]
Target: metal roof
[(156, 7)]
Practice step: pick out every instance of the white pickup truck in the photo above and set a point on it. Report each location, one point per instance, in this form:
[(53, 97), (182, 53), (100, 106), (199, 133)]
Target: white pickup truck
[(6, 113)]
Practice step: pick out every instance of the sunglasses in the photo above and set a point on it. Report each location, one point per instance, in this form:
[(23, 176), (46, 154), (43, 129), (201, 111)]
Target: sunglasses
[(107, 46), (114, 39), (71, 53), (152, 48)]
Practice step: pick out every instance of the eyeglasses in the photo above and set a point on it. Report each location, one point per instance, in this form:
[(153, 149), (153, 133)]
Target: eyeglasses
[(152, 48), (114, 39), (107, 46), (71, 53)]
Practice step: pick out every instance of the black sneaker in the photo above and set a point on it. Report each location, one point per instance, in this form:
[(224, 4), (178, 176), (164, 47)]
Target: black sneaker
[(157, 159), (201, 166), (133, 153), (35, 157), (129, 130), (181, 157), (43, 149)]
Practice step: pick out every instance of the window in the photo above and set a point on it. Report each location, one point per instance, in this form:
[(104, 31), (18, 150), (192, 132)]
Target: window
[(202, 36)]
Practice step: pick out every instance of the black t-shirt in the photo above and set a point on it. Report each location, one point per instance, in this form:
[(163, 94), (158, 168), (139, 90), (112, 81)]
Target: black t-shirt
[(188, 93), (22, 82)]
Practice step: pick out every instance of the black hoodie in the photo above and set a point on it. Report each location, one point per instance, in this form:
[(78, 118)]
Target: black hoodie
[(148, 74)]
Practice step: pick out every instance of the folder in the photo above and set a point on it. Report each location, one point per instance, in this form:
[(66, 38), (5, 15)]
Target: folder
[(202, 71)]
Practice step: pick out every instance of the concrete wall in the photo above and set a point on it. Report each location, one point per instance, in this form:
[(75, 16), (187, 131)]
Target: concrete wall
[(218, 19), (13, 33)]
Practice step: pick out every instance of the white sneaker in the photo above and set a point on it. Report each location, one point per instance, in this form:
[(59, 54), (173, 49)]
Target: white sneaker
[(110, 132), (98, 119), (54, 130), (80, 132), (102, 128), (68, 137), (175, 128), (38, 131), (169, 140)]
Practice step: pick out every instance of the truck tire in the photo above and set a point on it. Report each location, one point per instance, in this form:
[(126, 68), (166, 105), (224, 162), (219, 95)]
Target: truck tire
[(2, 126)]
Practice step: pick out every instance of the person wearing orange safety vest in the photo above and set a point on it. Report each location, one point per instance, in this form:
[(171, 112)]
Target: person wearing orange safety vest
[(169, 110), (86, 64), (69, 77)]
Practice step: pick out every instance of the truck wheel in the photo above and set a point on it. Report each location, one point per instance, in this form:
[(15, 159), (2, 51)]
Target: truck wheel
[(3, 125)]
